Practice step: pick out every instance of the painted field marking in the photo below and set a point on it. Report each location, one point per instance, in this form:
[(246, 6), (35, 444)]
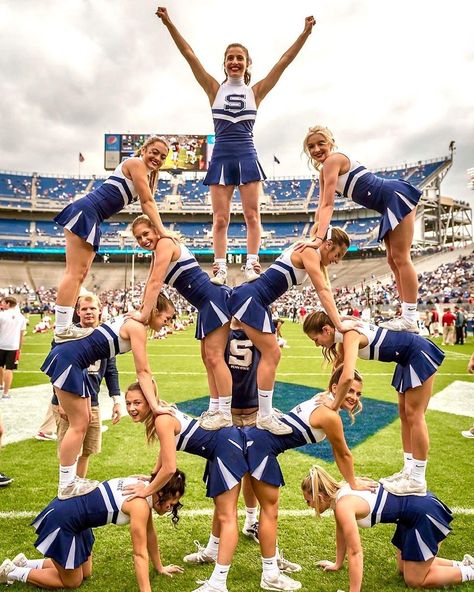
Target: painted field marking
[(456, 398)]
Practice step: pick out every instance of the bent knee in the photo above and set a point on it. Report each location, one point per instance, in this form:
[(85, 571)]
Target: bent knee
[(413, 581)]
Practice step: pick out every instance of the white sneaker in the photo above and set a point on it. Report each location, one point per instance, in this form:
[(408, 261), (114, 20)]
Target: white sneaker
[(6, 568), (251, 531), (272, 424), (207, 587), (199, 557), (215, 420), (403, 474), (78, 487), (400, 324), (468, 560), (468, 433), (20, 560), (287, 566), (406, 486), (72, 333), (280, 582), (250, 274), (221, 277)]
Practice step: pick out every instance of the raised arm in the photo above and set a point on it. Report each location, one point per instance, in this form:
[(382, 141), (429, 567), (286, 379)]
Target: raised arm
[(262, 88), (350, 347), (161, 259), (208, 83), (137, 333), (138, 172), (312, 264)]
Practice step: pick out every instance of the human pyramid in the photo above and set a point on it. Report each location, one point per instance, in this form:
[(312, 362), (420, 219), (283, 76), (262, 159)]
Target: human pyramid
[(241, 435)]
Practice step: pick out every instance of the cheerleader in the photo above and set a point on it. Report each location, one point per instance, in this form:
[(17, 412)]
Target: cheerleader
[(395, 200), (224, 449), (174, 264), (64, 534), (422, 523), (234, 160), (66, 365), (417, 361), (250, 303), (133, 179), (309, 422)]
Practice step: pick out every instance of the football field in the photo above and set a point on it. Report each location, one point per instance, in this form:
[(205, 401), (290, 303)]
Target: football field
[(374, 440)]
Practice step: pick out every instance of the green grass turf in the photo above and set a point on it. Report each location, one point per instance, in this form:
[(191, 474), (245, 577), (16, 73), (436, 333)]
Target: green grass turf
[(177, 366)]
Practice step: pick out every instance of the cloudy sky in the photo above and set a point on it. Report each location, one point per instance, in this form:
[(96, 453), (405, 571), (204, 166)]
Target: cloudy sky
[(392, 79)]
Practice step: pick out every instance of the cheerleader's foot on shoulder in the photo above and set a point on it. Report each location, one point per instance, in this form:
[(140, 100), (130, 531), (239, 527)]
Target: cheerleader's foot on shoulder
[(406, 486), (251, 271), (220, 276), (272, 424), (78, 487), (215, 420), (71, 333), (400, 324)]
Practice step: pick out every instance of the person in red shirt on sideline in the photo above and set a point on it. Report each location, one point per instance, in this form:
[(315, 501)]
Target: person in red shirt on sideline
[(447, 320), (434, 325)]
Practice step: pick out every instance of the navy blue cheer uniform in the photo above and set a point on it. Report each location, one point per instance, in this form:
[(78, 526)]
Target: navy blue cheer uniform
[(67, 363), (242, 358), (393, 198), (250, 302), (187, 277), (224, 449), (64, 527), (263, 447), (84, 216), (234, 159), (422, 521), (417, 358)]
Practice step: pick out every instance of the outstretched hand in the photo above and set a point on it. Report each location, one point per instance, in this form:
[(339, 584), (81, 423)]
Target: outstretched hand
[(327, 565), (309, 23), (169, 570), (162, 13)]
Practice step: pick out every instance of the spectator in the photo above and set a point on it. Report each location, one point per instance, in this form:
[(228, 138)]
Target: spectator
[(12, 329), (459, 323), (447, 321), (4, 480), (434, 324)]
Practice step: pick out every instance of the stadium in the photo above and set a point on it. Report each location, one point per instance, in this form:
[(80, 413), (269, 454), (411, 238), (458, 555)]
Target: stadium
[(32, 262)]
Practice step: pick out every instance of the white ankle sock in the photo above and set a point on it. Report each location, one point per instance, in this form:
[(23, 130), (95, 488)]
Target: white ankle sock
[(19, 574), (407, 462), (213, 404), (222, 263), (265, 401), (409, 311), (63, 317), (212, 546), (418, 470), (467, 573), (457, 563), (224, 404), (219, 576), (67, 474), (250, 516), (35, 563), (251, 259), (270, 567)]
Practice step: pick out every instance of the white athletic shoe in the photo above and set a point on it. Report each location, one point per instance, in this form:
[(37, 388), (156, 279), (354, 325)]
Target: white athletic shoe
[(6, 567), (280, 582), (251, 531), (400, 324), (207, 587), (199, 557), (78, 487), (403, 474), (468, 433), (272, 424), (287, 566), (72, 333), (406, 486), (214, 420), (250, 274), (20, 560), (221, 277), (468, 560)]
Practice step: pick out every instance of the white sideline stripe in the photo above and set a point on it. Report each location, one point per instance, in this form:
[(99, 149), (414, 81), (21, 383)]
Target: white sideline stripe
[(456, 398), (13, 515), (463, 374)]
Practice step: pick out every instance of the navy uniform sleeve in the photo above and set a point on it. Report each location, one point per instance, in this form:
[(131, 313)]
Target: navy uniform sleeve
[(112, 378)]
